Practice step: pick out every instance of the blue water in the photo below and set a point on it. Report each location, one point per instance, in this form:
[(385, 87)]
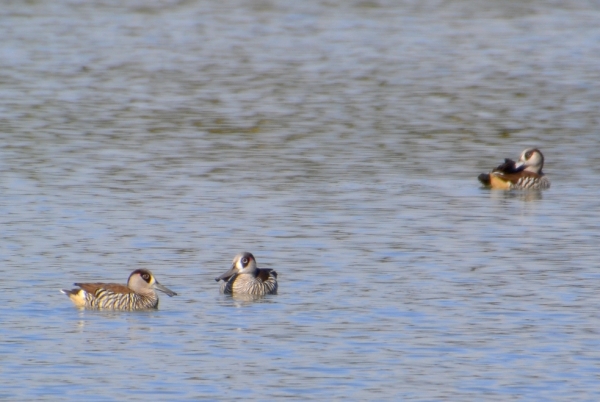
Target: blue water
[(340, 144)]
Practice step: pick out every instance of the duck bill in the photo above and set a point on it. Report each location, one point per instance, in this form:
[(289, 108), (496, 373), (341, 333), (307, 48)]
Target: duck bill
[(164, 289), (227, 274)]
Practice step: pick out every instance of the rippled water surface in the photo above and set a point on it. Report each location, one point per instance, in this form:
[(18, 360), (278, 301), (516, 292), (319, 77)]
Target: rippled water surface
[(340, 143)]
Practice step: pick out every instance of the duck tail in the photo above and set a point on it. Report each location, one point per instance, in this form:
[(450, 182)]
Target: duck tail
[(484, 178)]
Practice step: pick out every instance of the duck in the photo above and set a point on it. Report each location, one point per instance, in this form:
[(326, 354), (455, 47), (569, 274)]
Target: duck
[(138, 294), (525, 174), (245, 278)]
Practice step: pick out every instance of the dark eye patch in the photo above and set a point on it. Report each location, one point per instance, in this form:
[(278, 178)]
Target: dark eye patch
[(245, 261), (146, 277), (528, 154)]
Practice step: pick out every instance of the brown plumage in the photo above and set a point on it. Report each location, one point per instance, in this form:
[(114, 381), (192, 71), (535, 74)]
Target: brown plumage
[(525, 174), (139, 294), (246, 279)]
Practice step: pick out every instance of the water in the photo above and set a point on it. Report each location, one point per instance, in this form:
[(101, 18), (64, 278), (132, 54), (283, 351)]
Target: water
[(340, 143)]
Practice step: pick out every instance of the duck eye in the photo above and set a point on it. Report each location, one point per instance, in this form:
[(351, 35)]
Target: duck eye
[(528, 154), (245, 260), (146, 277)]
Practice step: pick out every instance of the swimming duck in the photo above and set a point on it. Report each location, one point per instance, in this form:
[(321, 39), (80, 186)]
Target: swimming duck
[(139, 294), (525, 174), (245, 278)]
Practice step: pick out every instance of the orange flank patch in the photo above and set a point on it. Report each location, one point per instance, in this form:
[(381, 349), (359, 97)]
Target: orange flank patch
[(499, 182), (77, 297)]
